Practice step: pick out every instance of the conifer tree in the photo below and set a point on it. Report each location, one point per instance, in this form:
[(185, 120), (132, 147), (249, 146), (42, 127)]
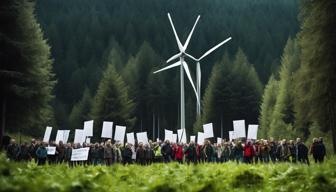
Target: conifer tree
[(233, 93), (282, 118), (80, 111), (26, 74), (267, 107), (316, 82), (111, 102)]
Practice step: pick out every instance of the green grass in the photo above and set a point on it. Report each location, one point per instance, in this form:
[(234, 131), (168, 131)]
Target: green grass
[(169, 177)]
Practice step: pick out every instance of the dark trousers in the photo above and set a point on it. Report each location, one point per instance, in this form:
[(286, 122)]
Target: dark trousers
[(41, 161), (248, 160), (166, 158)]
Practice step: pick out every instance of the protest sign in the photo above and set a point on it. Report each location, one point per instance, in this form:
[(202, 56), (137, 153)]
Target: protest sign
[(119, 135), (107, 130), (168, 135), (130, 138), (200, 138), (79, 136), (174, 139), (88, 128), (208, 130), (239, 128), (192, 138), (252, 132), (142, 137), (47, 134), (80, 154), (51, 150), (219, 140), (231, 135)]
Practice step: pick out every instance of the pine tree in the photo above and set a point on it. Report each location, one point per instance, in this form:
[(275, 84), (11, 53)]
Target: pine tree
[(137, 74), (267, 107), (111, 102), (27, 80), (80, 111), (233, 93), (316, 82), (282, 118)]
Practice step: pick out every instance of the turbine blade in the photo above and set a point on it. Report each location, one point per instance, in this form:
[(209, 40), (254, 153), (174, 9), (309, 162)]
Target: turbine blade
[(190, 34), (173, 57), (191, 57), (214, 48), (169, 66), (177, 38), (186, 69)]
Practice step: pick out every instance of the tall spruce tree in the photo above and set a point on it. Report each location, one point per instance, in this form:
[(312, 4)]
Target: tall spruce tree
[(267, 107), (282, 118), (233, 93), (316, 82), (80, 111), (137, 75), (111, 102), (26, 74)]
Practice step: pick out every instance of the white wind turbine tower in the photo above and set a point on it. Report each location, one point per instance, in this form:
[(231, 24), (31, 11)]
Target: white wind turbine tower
[(183, 67), (198, 71)]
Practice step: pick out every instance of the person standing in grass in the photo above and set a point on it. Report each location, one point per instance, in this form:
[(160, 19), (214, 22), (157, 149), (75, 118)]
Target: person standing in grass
[(127, 154), (322, 150), (292, 150), (32, 149), (283, 151), (191, 153), (248, 152), (226, 152), (108, 153), (179, 153), (94, 154), (219, 152), (317, 149), (264, 151), (68, 152), (301, 152), (13, 150), (61, 152), (157, 152), (238, 151), (149, 154), (273, 150), (24, 154), (166, 151), (141, 154), (41, 154)]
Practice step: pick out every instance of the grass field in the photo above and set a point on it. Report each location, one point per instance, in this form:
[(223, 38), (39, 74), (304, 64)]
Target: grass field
[(169, 177)]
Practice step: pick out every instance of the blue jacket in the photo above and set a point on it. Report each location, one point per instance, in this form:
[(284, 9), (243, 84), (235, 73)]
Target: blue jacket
[(41, 152)]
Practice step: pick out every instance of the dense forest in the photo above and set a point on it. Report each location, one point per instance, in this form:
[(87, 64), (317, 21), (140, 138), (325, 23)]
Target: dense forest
[(136, 37), (80, 60)]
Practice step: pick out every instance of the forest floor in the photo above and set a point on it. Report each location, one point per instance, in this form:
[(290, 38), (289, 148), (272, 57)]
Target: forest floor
[(169, 177)]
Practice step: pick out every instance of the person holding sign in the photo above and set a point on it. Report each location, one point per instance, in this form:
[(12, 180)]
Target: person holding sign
[(127, 154)]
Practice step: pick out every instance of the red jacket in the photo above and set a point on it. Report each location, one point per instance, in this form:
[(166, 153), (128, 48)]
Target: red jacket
[(248, 151), (179, 153)]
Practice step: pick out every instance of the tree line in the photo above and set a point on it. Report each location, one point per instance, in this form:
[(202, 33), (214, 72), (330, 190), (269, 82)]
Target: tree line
[(103, 53)]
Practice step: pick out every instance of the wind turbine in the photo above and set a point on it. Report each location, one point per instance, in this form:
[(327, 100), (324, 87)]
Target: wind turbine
[(198, 70), (183, 68)]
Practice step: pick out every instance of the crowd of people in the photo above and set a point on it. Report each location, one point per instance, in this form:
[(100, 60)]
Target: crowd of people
[(108, 152)]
